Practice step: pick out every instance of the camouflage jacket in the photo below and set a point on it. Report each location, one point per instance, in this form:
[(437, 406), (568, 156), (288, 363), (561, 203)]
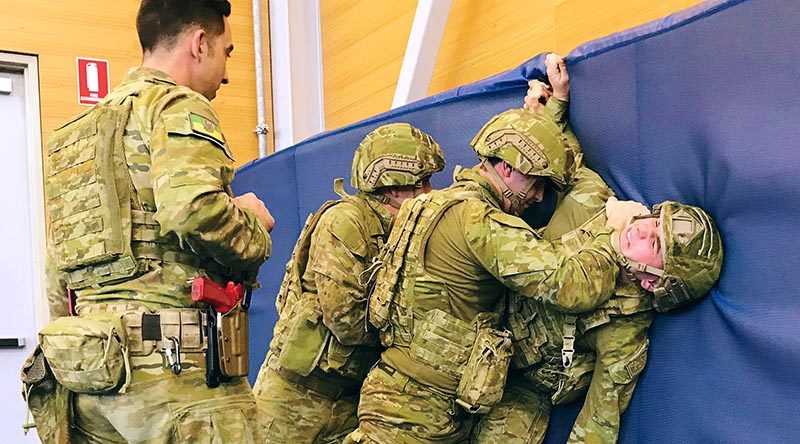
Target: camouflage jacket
[(342, 247), (181, 169)]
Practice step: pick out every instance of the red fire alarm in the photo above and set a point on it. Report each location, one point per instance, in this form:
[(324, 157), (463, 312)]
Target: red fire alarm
[(92, 80)]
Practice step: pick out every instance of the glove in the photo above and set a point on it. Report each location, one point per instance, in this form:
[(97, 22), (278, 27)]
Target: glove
[(619, 213)]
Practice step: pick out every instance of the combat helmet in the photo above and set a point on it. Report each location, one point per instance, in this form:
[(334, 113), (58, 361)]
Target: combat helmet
[(531, 143), (691, 246), (396, 154)]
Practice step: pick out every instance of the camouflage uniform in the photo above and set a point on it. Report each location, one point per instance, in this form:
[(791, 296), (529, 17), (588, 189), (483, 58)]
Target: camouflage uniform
[(610, 344), (449, 261), (173, 170), (307, 389)]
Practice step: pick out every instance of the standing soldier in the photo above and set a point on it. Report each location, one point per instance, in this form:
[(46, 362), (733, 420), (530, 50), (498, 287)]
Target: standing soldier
[(139, 199), (451, 257), (307, 389)]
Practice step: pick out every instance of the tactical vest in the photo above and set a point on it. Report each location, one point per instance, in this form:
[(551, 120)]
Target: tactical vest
[(101, 232), (426, 343), (301, 341), (544, 338)]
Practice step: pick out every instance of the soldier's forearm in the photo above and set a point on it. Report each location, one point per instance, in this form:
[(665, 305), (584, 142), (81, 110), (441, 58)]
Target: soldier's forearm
[(344, 314), (213, 225), (584, 282)]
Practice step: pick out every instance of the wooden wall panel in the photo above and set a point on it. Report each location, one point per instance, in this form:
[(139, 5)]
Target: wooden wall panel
[(579, 21), (363, 42), (58, 31), (483, 38)]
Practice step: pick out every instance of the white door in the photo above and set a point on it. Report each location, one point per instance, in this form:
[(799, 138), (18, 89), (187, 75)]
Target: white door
[(19, 249)]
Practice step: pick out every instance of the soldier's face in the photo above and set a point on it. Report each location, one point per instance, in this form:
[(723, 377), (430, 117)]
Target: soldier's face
[(517, 181), (641, 241), (214, 69)]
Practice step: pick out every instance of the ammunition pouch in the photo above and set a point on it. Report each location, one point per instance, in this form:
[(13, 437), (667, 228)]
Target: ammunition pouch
[(303, 337), (88, 354), (527, 332), (467, 360), (49, 402), (484, 378)]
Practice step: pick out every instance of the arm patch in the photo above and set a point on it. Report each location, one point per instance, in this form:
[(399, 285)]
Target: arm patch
[(189, 123), (350, 235)]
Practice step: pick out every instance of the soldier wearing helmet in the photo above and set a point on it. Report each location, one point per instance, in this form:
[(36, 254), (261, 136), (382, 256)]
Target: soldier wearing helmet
[(307, 389), (667, 258), (439, 294)]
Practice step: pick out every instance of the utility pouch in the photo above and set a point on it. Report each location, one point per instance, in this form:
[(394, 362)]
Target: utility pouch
[(48, 401), (88, 354), (484, 378), (233, 339), (575, 379), (351, 361), (306, 339)]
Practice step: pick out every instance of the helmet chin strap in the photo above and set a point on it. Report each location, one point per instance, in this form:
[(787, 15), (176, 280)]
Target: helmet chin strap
[(394, 203), (517, 199)]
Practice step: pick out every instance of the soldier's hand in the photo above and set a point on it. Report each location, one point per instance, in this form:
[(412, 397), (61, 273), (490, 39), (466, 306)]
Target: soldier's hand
[(250, 201), (619, 213), (536, 98), (557, 75)]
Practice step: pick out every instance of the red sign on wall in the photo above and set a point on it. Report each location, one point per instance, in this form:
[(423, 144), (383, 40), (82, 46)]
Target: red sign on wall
[(92, 80)]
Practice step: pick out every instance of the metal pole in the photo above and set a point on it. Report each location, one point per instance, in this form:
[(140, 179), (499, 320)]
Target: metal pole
[(262, 129)]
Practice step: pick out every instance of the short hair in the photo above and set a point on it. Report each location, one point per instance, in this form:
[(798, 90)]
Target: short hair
[(159, 22)]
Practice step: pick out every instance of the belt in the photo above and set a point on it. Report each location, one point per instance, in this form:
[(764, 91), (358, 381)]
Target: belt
[(320, 382)]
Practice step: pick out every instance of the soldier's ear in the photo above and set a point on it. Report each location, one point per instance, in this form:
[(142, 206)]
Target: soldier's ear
[(505, 169), (198, 43)]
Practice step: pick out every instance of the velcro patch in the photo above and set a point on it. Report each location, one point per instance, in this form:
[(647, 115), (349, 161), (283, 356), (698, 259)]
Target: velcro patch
[(207, 129)]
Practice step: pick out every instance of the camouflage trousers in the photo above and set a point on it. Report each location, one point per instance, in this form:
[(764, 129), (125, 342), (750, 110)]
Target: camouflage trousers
[(161, 407), (294, 414), (520, 418), (621, 350), (395, 409)]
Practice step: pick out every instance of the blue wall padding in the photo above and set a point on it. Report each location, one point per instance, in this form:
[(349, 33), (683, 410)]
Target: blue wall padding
[(701, 107)]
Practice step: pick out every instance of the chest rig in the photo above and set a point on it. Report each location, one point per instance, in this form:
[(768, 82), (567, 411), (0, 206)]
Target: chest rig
[(466, 360), (391, 303), (301, 341), (100, 206)]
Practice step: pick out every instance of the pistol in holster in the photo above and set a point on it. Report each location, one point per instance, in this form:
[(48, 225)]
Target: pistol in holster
[(227, 355)]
